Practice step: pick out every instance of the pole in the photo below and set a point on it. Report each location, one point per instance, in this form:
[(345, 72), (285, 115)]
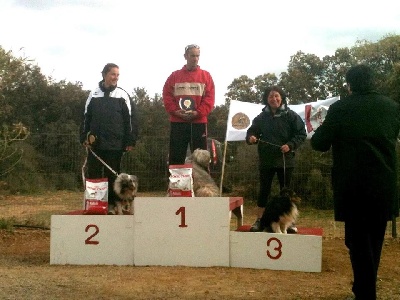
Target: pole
[(223, 169)]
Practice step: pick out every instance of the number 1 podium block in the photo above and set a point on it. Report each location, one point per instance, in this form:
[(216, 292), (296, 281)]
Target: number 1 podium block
[(91, 240), (186, 231), (261, 250)]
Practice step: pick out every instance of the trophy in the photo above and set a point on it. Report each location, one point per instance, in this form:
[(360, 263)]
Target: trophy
[(187, 104)]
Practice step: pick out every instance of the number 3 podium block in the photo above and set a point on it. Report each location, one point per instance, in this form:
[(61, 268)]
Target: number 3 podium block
[(91, 240), (261, 250), (186, 231)]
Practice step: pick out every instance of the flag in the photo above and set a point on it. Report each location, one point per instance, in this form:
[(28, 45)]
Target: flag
[(241, 115)]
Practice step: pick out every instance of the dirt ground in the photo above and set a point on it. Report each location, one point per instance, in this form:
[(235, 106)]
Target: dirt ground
[(26, 273)]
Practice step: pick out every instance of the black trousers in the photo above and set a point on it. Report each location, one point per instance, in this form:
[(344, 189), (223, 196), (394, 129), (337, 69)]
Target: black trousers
[(266, 177), (182, 135), (96, 169), (364, 239)]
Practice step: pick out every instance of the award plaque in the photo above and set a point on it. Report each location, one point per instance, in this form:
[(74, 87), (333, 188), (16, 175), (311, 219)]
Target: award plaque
[(186, 104)]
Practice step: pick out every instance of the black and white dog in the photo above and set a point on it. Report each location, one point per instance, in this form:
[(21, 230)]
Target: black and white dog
[(280, 212), (125, 186)]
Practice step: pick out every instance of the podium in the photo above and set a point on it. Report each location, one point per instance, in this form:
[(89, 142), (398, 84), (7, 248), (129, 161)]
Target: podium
[(91, 240), (261, 250), (185, 231), (179, 231)]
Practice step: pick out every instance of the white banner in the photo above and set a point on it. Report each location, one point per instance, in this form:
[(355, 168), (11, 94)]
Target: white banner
[(241, 115)]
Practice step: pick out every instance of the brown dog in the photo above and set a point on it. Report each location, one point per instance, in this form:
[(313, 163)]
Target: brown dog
[(203, 184)]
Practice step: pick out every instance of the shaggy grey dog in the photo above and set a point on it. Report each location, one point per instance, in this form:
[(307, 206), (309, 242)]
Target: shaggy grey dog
[(125, 186), (203, 184)]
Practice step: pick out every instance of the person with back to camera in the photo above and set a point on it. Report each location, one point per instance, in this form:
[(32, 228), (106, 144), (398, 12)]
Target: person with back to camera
[(278, 131), (110, 128), (189, 97), (362, 131)]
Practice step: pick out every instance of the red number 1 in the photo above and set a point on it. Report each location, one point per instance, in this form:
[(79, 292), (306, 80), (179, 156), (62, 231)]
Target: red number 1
[(181, 211)]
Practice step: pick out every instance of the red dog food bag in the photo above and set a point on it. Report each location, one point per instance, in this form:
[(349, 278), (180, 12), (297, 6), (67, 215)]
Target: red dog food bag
[(180, 181), (96, 196)]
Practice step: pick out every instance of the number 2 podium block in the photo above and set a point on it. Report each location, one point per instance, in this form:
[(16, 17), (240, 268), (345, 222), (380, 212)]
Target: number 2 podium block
[(261, 250), (186, 231), (91, 240)]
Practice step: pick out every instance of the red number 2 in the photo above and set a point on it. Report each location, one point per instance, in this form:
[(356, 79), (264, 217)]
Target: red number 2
[(278, 248), (181, 211), (89, 241)]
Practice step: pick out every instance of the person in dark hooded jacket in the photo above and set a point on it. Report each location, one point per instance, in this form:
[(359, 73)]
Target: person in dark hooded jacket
[(278, 131)]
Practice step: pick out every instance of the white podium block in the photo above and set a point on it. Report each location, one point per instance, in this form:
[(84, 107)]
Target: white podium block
[(91, 240), (186, 231), (261, 250)]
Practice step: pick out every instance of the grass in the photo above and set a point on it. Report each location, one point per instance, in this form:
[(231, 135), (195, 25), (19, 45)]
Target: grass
[(7, 223), (35, 210)]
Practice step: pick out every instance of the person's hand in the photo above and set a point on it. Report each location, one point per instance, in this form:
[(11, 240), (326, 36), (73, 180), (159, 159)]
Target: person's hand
[(285, 148), (252, 139), (187, 115), (179, 113), (193, 114), (86, 144)]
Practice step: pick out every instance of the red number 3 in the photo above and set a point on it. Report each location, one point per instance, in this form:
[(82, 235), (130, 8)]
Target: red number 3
[(278, 248)]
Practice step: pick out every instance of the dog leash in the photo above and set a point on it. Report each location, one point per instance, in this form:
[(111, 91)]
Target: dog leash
[(103, 162), (283, 158)]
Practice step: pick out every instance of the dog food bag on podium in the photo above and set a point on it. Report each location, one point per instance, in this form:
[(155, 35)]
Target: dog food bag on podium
[(180, 181), (96, 196)]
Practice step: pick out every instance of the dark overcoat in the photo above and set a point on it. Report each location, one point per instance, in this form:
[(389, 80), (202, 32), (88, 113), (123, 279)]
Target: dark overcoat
[(362, 131)]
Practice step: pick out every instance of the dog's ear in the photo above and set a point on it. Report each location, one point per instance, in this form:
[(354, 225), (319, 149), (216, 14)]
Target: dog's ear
[(133, 178), (286, 192), (295, 199)]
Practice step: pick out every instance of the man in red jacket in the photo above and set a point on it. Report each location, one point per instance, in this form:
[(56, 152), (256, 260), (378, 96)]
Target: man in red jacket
[(189, 97)]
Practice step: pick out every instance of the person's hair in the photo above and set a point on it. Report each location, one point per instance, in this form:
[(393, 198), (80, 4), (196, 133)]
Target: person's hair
[(188, 47), (360, 78), (107, 68), (274, 88)]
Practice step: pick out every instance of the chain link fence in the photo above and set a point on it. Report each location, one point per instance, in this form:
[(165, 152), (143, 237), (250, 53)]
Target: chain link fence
[(48, 178)]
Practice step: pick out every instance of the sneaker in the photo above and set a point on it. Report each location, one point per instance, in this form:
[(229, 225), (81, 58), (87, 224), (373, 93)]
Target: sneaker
[(256, 226)]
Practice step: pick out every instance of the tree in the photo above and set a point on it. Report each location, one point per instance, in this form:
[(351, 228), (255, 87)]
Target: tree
[(249, 90), (333, 76), (381, 56), (10, 156), (241, 89), (217, 122), (393, 83), (261, 82), (302, 80), (14, 73)]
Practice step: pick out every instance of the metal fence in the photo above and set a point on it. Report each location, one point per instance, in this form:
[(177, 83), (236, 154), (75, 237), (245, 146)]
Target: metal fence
[(52, 166)]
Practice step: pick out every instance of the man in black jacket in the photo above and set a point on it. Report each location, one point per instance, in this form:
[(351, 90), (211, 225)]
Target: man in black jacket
[(362, 131), (110, 128)]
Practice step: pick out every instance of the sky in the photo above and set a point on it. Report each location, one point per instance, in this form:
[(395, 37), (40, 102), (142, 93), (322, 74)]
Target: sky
[(72, 40)]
